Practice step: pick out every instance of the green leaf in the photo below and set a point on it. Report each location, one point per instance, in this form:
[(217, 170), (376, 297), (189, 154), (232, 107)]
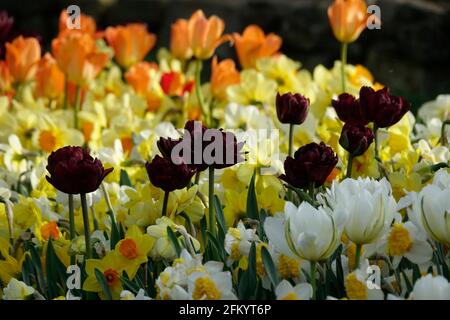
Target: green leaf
[(252, 205), (103, 283), (56, 272), (173, 238), (125, 178), (248, 280), (218, 251), (115, 233), (129, 285), (220, 215), (269, 266), (262, 219)]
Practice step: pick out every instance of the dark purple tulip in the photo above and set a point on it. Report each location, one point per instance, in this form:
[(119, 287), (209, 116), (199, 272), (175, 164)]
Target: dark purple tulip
[(349, 110), (73, 170), (168, 176), (292, 108), (356, 138), (383, 108), (311, 164)]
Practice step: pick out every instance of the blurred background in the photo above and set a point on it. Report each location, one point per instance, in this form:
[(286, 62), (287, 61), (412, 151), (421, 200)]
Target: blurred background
[(411, 52)]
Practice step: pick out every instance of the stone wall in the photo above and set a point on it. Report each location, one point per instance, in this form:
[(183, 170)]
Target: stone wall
[(411, 52)]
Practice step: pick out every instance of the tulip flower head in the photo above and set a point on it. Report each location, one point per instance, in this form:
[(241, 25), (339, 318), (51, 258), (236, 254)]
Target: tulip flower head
[(253, 44), (311, 164), (22, 56), (168, 176), (348, 19), (131, 43), (305, 232), (78, 57), (355, 138), (73, 170), (383, 108), (292, 108)]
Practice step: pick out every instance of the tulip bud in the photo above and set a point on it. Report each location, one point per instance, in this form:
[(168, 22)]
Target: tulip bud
[(292, 108), (356, 138), (73, 170), (383, 108), (312, 163), (349, 109), (164, 174)]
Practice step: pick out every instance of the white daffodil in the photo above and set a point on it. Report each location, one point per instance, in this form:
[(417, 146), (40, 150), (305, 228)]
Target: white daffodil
[(406, 240), (305, 232), (358, 286), (438, 108), (211, 286), (238, 242), (431, 288), (369, 204), (128, 295), (286, 291), (17, 290), (246, 117)]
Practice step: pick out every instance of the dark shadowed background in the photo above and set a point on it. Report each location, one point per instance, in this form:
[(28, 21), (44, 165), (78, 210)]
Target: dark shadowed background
[(411, 52)]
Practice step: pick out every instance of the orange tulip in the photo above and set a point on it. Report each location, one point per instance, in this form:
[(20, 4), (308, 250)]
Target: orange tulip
[(197, 36), (78, 57), (254, 44), (87, 23), (49, 78), (205, 34), (139, 77), (131, 43), (180, 43), (172, 83), (5, 78), (348, 18), (22, 55), (223, 74)]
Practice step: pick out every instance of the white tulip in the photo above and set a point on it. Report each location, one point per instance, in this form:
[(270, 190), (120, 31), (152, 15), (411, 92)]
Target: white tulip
[(430, 212), (304, 232), (368, 203), (431, 288)]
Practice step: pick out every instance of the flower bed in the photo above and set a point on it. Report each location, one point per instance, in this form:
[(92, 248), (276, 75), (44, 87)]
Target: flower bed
[(123, 178)]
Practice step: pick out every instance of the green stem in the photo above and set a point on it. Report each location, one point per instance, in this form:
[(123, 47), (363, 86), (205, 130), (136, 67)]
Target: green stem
[(313, 278), (357, 255), (66, 90), (87, 234), (165, 201), (349, 166), (198, 88), (94, 218), (76, 107), (197, 177), (311, 192), (343, 64), (375, 134), (71, 225), (212, 217), (291, 138)]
